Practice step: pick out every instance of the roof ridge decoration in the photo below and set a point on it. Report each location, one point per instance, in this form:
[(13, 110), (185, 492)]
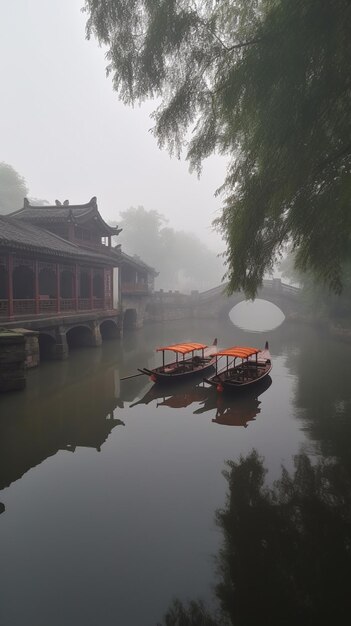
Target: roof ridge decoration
[(91, 204)]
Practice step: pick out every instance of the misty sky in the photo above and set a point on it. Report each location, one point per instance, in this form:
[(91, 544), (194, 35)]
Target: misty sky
[(63, 128)]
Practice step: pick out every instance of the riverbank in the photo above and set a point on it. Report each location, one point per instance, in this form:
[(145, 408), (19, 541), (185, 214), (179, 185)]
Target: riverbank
[(334, 328)]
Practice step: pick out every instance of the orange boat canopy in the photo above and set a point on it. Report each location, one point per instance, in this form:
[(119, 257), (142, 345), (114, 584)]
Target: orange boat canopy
[(183, 348), (242, 352)]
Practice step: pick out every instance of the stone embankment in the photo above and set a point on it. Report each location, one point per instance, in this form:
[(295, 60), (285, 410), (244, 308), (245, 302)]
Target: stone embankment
[(12, 361)]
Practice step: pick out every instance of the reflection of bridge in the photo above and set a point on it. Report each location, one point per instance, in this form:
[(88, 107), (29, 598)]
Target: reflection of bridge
[(215, 303)]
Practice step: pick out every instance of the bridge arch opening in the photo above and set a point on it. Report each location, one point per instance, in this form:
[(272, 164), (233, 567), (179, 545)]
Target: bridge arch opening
[(109, 330), (47, 347), (258, 315), (130, 319), (79, 337)]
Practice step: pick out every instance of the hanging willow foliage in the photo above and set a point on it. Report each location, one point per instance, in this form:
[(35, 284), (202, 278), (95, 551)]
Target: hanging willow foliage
[(266, 83)]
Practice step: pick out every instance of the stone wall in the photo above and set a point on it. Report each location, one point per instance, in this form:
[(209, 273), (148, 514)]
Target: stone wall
[(31, 347), (12, 358), (166, 306)]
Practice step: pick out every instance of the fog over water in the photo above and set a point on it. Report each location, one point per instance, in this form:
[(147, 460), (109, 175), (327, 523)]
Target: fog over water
[(63, 128), (109, 489)]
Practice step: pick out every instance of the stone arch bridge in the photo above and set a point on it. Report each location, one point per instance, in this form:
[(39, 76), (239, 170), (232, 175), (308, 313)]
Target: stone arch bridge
[(214, 303)]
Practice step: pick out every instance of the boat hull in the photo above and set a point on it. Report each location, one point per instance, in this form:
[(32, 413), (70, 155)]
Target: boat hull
[(224, 382), (159, 377)]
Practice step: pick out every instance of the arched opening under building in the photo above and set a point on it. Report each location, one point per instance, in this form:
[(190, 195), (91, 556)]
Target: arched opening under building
[(79, 337), (23, 283), (130, 319), (258, 315), (109, 330), (66, 284), (47, 347)]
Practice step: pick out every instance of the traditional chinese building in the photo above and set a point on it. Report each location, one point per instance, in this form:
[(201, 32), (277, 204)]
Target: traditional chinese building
[(58, 269), (55, 259)]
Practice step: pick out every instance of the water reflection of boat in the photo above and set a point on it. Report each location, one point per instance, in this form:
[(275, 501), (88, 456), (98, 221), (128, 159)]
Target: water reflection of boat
[(231, 411), (236, 411), (175, 397)]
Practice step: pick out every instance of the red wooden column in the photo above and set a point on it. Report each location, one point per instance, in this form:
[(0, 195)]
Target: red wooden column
[(36, 286), (10, 285), (91, 288), (104, 294), (75, 286), (58, 287)]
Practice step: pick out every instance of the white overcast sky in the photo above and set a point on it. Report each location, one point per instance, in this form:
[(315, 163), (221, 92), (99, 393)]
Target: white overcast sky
[(63, 128)]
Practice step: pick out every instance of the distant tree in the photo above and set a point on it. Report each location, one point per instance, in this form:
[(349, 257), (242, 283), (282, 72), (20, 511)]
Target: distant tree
[(265, 82), (13, 189), (182, 260), (320, 299), (38, 202)]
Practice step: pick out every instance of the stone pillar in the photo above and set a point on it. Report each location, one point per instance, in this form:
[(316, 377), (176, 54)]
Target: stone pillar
[(31, 347), (61, 348), (96, 335), (12, 357)]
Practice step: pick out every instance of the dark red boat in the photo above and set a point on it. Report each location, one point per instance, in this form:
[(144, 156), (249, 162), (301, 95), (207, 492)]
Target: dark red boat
[(191, 360), (254, 365)]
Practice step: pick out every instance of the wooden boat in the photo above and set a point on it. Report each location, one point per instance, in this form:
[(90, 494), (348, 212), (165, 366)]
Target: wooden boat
[(191, 360), (235, 409), (253, 367)]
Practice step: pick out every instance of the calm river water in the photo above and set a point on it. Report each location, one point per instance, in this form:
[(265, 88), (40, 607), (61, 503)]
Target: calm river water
[(114, 502)]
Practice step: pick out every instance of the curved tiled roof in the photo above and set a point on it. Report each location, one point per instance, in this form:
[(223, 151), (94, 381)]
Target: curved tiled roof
[(20, 235), (59, 213), (135, 261)]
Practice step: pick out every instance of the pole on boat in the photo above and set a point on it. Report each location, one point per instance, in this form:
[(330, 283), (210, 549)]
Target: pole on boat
[(133, 376)]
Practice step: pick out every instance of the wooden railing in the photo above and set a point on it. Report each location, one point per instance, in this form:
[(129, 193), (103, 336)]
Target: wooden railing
[(98, 303), (134, 288), (23, 307), (49, 306), (84, 304), (3, 308), (67, 304)]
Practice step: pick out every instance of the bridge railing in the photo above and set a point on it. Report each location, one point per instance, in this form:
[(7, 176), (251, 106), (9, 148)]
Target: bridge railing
[(135, 288), (272, 284)]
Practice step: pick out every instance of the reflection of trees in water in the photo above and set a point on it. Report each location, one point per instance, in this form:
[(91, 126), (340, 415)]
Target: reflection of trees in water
[(286, 554), (323, 393)]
